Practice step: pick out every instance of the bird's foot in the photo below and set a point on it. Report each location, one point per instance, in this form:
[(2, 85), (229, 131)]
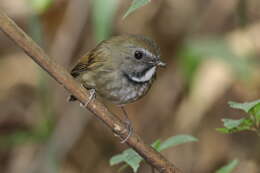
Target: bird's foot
[(129, 130), (128, 125), (91, 97)]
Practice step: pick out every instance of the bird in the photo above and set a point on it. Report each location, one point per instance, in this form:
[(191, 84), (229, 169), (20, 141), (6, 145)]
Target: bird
[(120, 70)]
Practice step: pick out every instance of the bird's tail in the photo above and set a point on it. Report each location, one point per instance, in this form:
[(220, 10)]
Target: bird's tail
[(71, 98)]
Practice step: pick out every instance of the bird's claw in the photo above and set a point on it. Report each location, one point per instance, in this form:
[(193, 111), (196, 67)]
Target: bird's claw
[(91, 97), (129, 130)]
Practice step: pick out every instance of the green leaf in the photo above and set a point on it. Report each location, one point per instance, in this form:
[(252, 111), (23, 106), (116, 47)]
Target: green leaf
[(230, 123), (156, 145), (176, 140), (133, 159), (255, 111), (229, 167), (247, 106), (128, 156), (135, 5), (103, 14), (117, 159), (223, 130), (251, 122), (232, 126)]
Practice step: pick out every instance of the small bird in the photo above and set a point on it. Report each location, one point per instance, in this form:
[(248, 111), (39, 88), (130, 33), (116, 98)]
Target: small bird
[(120, 69)]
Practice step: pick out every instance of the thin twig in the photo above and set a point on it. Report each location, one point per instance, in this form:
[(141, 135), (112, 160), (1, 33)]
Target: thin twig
[(152, 157)]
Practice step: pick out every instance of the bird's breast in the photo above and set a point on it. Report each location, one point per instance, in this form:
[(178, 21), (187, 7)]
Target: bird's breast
[(119, 90)]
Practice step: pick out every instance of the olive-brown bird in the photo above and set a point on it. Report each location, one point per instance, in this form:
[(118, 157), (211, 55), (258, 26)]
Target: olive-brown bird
[(121, 69)]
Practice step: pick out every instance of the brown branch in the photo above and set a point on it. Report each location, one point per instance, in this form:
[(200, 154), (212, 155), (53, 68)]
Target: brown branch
[(153, 157)]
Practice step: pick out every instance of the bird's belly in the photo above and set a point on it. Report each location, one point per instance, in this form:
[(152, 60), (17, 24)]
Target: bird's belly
[(125, 93)]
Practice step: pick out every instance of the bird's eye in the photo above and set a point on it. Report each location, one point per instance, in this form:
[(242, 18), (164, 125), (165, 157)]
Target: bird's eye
[(139, 54)]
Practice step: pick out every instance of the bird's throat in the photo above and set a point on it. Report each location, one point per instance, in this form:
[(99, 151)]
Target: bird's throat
[(143, 76)]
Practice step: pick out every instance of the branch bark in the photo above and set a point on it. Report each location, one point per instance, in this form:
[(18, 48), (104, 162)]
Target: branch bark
[(16, 34)]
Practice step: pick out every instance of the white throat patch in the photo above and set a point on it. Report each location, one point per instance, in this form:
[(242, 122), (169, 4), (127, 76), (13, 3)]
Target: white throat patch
[(146, 77)]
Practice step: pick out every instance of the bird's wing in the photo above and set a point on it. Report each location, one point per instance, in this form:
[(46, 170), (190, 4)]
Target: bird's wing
[(89, 61)]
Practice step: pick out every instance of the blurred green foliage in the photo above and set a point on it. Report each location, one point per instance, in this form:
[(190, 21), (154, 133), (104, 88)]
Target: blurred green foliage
[(195, 51), (133, 159), (241, 11), (44, 129), (44, 92), (38, 135), (35, 29), (103, 13), (40, 6)]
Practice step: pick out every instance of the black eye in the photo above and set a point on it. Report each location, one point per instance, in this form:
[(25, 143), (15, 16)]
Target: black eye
[(139, 54)]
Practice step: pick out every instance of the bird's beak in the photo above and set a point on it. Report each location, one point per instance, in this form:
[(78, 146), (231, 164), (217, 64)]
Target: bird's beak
[(160, 63)]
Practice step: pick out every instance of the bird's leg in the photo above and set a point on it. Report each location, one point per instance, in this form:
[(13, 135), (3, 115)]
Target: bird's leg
[(91, 97), (128, 124)]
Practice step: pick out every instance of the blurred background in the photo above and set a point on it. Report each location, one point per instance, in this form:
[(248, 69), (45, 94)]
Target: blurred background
[(212, 50)]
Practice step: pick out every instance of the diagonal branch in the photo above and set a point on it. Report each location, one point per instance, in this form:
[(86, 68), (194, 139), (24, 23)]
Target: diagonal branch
[(16, 34)]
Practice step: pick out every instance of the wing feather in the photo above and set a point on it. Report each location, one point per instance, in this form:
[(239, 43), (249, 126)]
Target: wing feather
[(89, 61)]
